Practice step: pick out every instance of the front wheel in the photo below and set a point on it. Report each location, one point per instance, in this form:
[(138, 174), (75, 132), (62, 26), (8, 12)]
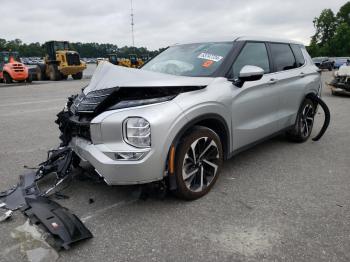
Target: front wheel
[(198, 160), (304, 122), (54, 74)]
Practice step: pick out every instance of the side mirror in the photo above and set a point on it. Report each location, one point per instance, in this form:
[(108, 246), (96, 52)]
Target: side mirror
[(250, 73)]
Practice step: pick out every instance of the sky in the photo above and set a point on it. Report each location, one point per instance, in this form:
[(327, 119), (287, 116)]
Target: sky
[(159, 23)]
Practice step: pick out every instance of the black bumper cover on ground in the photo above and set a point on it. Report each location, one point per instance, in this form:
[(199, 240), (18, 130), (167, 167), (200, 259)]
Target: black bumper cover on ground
[(65, 227)]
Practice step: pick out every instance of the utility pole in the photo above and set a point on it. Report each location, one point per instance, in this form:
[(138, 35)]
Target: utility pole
[(132, 25)]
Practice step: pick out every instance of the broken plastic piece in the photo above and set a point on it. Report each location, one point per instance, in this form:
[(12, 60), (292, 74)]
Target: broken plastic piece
[(327, 116), (6, 215), (25, 188), (59, 221)]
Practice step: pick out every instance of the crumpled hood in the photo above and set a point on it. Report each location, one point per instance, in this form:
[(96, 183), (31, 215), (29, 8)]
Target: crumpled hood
[(344, 70), (108, 75)]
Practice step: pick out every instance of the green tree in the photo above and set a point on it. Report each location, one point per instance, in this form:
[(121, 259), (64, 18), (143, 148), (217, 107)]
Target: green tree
[(343, 15), (325, 26), (340, 43), (332, 36)]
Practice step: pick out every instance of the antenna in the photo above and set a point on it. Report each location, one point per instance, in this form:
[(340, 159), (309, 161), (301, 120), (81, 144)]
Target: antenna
[(132, 24)]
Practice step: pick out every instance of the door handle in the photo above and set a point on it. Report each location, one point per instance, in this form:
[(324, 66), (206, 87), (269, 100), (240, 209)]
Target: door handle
[(272, 81)]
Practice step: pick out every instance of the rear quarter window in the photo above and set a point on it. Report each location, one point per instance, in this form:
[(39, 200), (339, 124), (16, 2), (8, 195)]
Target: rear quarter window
[(299, 57)]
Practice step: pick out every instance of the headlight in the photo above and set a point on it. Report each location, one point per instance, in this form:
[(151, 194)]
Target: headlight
[(137, 132)]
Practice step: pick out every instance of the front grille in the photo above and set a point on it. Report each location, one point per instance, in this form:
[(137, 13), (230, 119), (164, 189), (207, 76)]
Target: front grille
[(18, 67), (73, 59), (88, 103), (72, 126)]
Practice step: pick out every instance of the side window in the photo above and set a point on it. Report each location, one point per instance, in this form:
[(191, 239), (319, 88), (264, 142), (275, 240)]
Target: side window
[(282, 56), (298, 55), (252, 54)]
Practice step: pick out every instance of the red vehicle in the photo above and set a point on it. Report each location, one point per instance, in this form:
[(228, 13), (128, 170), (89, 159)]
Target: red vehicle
[(11, 69)]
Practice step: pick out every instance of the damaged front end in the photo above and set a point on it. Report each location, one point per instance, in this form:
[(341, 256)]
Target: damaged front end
[(341, 80), (75, 119)]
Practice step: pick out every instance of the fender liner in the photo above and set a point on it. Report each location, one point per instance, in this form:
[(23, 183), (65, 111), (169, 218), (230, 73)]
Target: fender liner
[(318, 101)]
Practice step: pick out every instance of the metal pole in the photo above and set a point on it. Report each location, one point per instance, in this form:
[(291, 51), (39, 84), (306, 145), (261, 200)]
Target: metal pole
[(132, 24)]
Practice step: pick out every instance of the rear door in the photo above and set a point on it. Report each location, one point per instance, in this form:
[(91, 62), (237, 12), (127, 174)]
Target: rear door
[(255, 104), (289, 72)]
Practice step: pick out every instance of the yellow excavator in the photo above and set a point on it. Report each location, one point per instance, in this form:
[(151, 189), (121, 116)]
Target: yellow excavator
[(133, 61), (60, 62)]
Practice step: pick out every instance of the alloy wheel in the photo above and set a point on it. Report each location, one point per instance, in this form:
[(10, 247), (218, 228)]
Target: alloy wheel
[(200, 164), (307, 120)]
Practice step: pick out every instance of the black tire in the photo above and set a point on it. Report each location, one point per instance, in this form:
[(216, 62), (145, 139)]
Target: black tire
[(200, 153), (330, 68), (64, 77), (41, 72), (304, 122), (78, 76), (54, 74), (7, 78)]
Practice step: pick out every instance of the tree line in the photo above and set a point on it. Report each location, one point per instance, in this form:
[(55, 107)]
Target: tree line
[(91, 50), (332, 36)]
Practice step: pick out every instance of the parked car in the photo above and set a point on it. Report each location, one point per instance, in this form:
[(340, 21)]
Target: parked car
[(188, 109), (339, 61), (341, 80), (323, 63)]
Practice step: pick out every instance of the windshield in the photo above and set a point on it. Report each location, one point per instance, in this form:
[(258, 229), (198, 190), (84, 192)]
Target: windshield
[(200, 59)]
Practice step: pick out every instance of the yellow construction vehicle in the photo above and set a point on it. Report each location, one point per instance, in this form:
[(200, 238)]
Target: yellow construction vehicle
[(135, 61), (60, 62)]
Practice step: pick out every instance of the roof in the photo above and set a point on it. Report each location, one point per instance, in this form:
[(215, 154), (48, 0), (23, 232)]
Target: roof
[(267, 39), (242, 38)]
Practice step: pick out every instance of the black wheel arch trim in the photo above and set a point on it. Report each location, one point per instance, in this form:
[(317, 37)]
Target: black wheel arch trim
[(207, 117)]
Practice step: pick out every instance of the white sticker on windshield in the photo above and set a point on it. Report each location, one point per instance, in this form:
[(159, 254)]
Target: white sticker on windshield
[(207, 56)]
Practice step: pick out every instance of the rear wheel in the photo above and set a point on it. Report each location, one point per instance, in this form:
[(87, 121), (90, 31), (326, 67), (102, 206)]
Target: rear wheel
[(54, 74), (29, 79), (64, 77), (198, 161), (304, 122), (78, 76), (7, 78)]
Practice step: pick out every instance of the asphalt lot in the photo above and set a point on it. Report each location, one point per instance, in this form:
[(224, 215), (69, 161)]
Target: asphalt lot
[(278, 201)]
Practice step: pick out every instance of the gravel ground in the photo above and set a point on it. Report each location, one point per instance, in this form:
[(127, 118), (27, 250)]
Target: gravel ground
[(275, 202)]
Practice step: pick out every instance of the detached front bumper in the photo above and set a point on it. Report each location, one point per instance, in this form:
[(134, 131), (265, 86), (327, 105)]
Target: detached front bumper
[(118, 172)]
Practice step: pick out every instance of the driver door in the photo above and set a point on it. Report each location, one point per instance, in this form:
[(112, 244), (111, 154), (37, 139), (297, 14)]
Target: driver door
[(255, 104)]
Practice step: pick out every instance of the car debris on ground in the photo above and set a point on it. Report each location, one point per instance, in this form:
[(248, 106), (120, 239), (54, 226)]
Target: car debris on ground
[(65, 227)]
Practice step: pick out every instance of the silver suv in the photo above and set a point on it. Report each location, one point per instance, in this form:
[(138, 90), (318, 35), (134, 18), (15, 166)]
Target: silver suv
[(191, 107)]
